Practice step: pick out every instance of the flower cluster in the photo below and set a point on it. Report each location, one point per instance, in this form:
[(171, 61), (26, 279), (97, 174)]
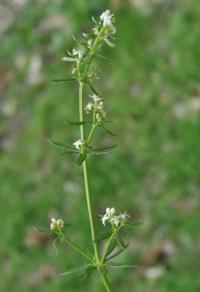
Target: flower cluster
[(75, 55), (97, 107), (56, 224), (107, 18), (103, 31), (111, 217), (79, 144)]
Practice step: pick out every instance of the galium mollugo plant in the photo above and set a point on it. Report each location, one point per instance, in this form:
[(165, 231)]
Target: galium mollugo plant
[(92, 116)]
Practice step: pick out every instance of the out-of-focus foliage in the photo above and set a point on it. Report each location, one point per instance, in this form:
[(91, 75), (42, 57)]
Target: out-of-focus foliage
[(153, 95)]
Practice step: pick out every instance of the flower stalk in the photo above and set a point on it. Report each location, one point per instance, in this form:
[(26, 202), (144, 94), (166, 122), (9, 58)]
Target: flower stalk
[(90, 207), (83, 72)]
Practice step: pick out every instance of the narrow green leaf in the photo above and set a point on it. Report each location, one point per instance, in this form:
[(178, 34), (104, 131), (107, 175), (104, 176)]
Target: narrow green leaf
[(78, 42), (104, 150), (70, 152), (103, 236), (121, 242), (103, 57), (109, 43), (63, 80), (61, 145), (78, 270), (114, 255), (94, 20), (131, 226), (94, 90), (111, 247), (120, 265), (108, 131), (89, 271), (76, 123)]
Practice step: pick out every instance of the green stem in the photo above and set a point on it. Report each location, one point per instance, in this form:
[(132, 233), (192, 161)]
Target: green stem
[(96, 42), (107, 248), (89, 198), (91, 133), (105, 281), (77, 248), (86, 179)]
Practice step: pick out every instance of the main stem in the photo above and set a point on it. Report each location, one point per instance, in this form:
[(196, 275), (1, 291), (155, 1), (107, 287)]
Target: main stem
[(89, 197)]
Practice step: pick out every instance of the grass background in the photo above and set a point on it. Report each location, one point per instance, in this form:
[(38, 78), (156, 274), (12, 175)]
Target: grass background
[(153, 98)]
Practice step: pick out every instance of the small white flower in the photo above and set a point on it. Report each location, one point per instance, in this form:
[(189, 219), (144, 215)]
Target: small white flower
[(89, 107), (78, 53), (53, 220), (100, 115), (110, 211), (95, 97), (78, 144), (104, 219), (56, 224), (108, 216), (72, 56), (116, 220), (95, 30), (85, 35), (107, 18), (100, 106), (112, 218), (123, 217), (90, 43), (60, 223)]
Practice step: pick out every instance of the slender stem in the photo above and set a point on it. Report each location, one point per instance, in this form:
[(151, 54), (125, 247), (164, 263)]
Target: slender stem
[(91, 133), (82, 131), (89, 198), (105, 281), (90, 210), (86, 179), (106, 249), (96, 42), (77, 248)]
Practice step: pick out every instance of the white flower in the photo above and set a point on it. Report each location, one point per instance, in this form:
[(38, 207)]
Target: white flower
[(95, 30), (109, 214), (78, 144), (72, 56), (95, 97), (89, 107), (53, 220), (107, 18), (78, 53), (104, 219), (116, 220), (85, 35), (56, 224), (100, 115), (112, 218), (90, 43), (100, 106), (110, 211), (60, 223), (97, 106), (123, 217)]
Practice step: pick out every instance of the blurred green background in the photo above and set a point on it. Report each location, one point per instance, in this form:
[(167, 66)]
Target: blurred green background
[(153, 98)]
